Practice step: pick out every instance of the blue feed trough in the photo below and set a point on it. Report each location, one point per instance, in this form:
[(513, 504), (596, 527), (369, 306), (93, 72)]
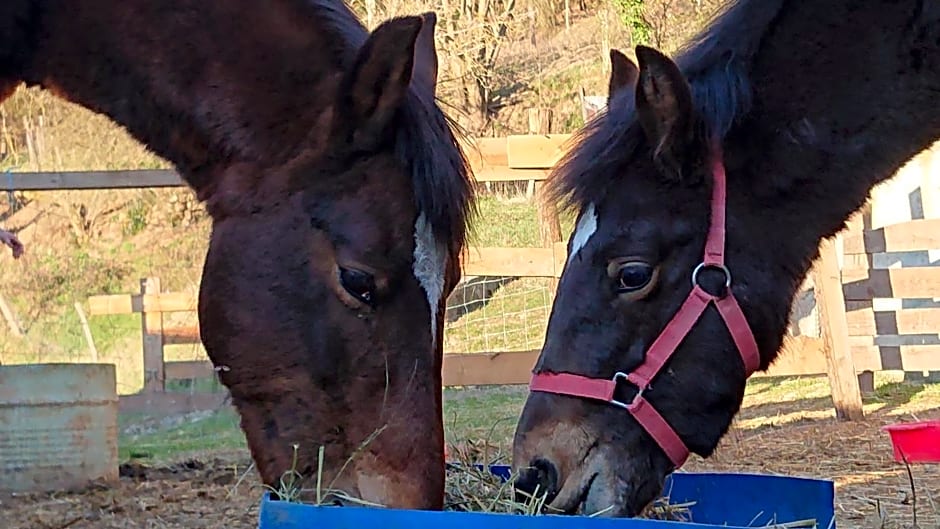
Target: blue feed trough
[(721, 500)]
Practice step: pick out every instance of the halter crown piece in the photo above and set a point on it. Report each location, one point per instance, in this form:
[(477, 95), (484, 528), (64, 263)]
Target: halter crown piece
[(673, 334)]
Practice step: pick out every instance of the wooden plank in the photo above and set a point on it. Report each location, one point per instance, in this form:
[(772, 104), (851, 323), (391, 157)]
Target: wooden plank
[(183, 335), (549, 222), (485, 151), (505, 174), (487, 156), (485, 369), (799, 356), (152, 332), (911, 282), (77, 180), (859, 261), (189, 370), (895, 340), (914, 235), (171, 403), (807, 357), (804, 357), (131, 303), (868, 322), (903, 358), (843, 379), (492, 150), (532, 151), (527, 262), (561, 256)]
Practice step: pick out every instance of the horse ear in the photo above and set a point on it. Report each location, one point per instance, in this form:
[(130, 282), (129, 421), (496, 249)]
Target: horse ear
[(375, 87), (623, 74), (425, 62), (664, 108)]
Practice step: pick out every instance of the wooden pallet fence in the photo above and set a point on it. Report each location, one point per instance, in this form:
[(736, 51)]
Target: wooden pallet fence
[(906, 339)]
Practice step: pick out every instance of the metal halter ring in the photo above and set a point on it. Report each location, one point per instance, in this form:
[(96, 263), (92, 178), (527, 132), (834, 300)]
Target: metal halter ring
[(639, 393), (704, 265)]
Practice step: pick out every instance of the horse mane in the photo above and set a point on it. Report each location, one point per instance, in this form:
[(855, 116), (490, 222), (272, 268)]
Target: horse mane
[(426, 143), (716, 63), (338, 15)]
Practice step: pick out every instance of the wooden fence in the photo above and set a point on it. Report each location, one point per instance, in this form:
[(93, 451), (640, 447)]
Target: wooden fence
[(905, 339), (855, 337)]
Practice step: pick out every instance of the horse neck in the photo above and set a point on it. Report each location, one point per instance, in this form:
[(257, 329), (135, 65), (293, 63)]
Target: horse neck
[(844, 95), (193, 82)]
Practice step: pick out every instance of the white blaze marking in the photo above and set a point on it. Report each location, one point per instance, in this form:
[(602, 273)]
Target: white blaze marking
[(429, 268), (586, 227)]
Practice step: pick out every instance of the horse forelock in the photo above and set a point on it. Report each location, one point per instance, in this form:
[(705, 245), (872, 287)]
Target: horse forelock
[(426, 142)]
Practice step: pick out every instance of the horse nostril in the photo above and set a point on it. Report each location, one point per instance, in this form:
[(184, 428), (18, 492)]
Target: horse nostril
[(541, 475)]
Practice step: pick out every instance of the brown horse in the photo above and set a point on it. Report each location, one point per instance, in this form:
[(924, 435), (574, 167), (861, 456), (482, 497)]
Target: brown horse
[(680, 279), (339, 198)]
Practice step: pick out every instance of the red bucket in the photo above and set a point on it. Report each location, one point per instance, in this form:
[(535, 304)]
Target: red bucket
[(919, 442)]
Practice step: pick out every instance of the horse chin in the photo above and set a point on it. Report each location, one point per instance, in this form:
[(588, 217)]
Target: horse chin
[(609, 486), (609, 496)]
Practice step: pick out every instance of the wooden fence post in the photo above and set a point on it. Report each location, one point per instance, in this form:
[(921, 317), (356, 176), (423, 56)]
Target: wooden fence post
[(540, 122), (834, 329), (152, 331)]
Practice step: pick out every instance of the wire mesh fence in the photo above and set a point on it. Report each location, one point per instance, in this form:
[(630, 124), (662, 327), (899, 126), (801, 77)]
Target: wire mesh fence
[(492, 314)]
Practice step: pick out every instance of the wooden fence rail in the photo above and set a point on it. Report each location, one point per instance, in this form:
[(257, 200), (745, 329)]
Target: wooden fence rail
[(509, 159)]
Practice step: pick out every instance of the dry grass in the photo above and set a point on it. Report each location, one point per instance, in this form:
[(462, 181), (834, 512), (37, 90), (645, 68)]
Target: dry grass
[(472, 489)]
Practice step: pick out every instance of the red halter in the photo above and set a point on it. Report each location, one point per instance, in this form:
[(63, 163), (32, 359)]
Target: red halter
[(667, 342)]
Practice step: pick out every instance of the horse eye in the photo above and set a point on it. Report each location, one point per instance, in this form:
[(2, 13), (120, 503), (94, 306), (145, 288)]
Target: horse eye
[(359, 284), (634, 276)]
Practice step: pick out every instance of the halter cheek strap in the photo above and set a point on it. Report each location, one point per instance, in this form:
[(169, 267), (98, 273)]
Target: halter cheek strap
[(670, 338)]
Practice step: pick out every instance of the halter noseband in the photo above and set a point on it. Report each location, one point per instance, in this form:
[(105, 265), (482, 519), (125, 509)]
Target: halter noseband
[(667, 342)]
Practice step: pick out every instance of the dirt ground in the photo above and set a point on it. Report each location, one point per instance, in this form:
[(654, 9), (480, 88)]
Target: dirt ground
[(218, 491), (211, 493), (872, 490)]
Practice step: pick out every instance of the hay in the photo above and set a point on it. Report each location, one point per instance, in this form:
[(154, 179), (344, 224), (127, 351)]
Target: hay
[(472, 489)]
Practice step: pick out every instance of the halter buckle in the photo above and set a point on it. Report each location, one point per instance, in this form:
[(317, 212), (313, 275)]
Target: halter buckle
[(703, 265), (639, 393)]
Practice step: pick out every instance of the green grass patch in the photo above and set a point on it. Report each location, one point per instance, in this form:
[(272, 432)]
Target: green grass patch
[(218, 431), (484, 414), (506, 222)]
